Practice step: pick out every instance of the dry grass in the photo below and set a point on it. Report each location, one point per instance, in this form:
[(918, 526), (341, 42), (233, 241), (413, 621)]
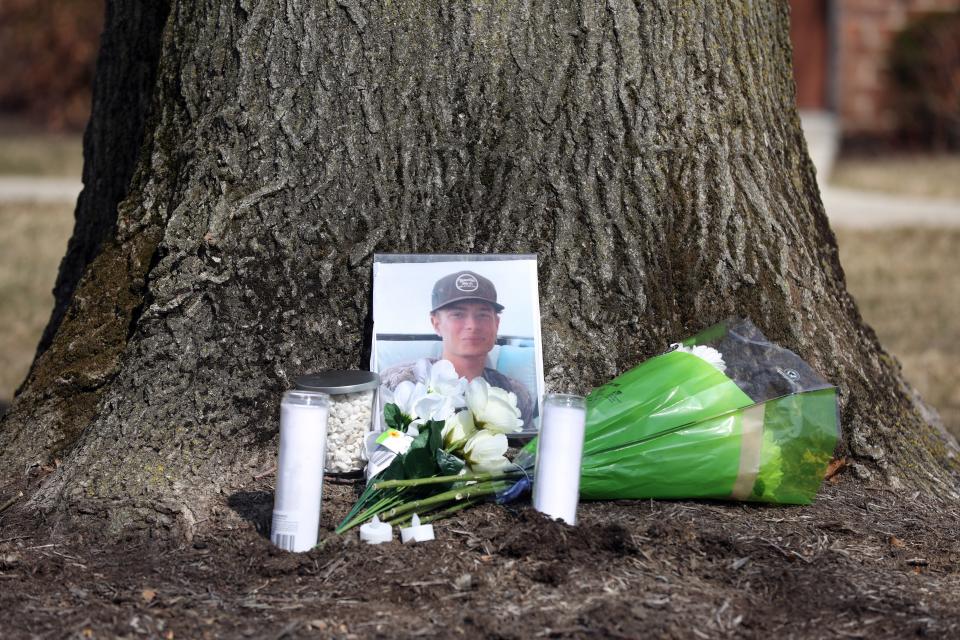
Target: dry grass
[(933, 176), (907, 285), (41, 155), (33, 238)]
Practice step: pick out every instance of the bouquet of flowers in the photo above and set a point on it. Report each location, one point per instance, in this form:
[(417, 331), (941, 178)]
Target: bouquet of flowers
[(446, 435), (725, 414)]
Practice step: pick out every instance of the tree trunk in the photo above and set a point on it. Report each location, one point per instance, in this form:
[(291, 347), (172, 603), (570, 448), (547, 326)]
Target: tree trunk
[(649, 153), (130, 49)]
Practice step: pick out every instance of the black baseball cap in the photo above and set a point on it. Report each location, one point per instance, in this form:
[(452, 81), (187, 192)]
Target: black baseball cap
[(463, 286)]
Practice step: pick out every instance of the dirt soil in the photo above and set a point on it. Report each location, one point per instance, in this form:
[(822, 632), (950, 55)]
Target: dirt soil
[(860, 563)]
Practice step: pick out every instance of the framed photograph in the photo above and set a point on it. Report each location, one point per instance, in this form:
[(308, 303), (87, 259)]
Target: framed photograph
[(480, 312)]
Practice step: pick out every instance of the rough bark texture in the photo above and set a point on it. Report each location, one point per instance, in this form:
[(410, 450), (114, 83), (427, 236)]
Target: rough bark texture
[(649, 153), (129, 52), (92, 318)]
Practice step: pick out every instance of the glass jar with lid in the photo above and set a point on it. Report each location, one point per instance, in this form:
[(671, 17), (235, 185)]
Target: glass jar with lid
[(352, 396)]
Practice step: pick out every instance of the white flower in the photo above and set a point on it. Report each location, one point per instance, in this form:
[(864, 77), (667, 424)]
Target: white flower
[(441, 379), (405, 396), (433, 407), (436, 395), (485, 451), (493, 408), (457, 429), (710, 355)]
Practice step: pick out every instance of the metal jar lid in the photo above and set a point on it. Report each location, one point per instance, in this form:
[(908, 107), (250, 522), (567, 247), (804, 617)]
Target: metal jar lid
[(339, 381)]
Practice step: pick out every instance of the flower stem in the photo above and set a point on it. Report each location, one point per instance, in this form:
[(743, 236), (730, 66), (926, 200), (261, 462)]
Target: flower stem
[(468, 477), (462, 493), (362, 501), (438, 515), (361, 515)]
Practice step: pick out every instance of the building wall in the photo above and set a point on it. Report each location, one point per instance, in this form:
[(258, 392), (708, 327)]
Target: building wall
[(810, 33), (864, 32)]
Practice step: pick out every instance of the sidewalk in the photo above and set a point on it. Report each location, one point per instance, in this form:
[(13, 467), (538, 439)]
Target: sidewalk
[(873, 210), (28, 189), (859, 209)]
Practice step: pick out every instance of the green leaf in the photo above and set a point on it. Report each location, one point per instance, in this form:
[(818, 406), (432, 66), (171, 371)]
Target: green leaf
[(421, 441), (419, 463), (395, 418), (395, 471), (391, 415), (435, 437), (448, 463)]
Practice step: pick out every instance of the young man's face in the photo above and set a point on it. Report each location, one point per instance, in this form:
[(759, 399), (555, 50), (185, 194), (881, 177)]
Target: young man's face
[(467, 328)]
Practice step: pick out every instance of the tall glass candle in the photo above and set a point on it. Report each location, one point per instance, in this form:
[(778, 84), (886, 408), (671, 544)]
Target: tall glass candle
[(556, 480), (303, 436)]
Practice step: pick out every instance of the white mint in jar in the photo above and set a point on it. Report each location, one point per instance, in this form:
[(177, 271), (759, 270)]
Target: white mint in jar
[(351, 409)]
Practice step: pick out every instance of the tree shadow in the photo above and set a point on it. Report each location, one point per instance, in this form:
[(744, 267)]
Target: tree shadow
[(255, 507)]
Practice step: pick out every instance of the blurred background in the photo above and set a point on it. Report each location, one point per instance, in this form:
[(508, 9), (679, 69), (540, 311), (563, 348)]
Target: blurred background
[(878, 85)]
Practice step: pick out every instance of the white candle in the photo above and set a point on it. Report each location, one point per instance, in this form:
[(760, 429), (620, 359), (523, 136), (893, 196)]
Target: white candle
[(376, 532), (303, 435), (416, 532), (556, 482)]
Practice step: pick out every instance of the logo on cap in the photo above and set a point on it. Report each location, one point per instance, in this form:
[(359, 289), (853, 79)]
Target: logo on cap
[(466, 282), (461, 286)]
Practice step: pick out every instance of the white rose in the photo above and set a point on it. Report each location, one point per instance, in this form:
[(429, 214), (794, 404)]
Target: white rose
[(485, 451), (443, 380), (493, 408), (457, 429), (709, 354)]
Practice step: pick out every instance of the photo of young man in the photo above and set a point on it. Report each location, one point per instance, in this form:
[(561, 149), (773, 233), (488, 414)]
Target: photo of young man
[(465, 314)]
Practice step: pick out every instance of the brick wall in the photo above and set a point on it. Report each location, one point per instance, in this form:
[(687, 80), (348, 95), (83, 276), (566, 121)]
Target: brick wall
[(864, 32), (809, 31)]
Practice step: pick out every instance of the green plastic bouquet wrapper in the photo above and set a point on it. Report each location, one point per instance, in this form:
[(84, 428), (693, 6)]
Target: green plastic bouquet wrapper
[(676, 426)]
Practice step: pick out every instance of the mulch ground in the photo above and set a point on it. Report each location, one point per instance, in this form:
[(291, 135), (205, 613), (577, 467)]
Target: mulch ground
[(859, 563)]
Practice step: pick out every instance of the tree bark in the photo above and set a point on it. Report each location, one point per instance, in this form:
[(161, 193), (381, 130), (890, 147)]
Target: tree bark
[(123, 87), (649, 153), (92, 322)]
